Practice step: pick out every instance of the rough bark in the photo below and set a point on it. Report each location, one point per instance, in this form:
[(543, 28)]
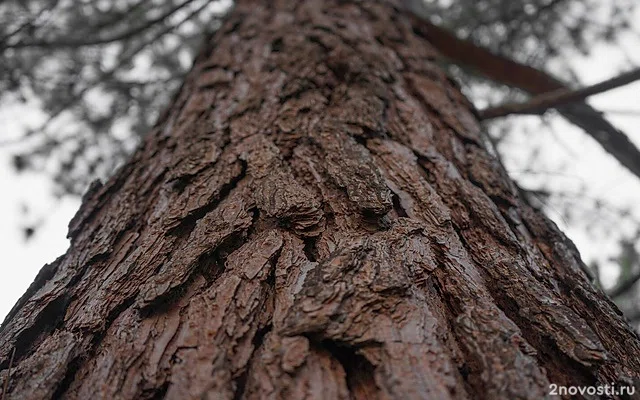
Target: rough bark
[(315, 217)]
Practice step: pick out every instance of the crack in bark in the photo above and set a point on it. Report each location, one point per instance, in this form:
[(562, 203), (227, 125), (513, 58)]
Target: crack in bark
[(310, 248), (113, 315), (48, 320), (397, 205), (210, 265), (158, 393), (257, 342), (69, 376), (186, 224), (359, 372), (78, 362), (46, 273)]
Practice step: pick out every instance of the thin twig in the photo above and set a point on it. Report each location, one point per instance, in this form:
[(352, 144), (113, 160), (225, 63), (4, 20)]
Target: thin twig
[(625, 286), (64, 43), (6, 383), (539, 104), (634, 318), (622, 113), (105, 75)]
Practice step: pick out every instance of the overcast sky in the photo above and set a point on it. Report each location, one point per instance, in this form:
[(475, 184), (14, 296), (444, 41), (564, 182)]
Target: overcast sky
[(584, 162)]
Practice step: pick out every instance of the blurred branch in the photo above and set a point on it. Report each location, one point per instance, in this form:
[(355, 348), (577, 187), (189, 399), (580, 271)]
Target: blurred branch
[(29, 22), (73, 42), (105, 75), (624, 113), (625, 286), (634, 317), (539, 104), (508, 72)]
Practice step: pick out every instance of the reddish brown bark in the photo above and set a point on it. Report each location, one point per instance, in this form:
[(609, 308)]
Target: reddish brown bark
[(314, 217)]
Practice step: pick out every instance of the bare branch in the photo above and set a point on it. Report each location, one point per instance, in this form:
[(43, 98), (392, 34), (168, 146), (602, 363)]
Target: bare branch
[(624, 113), (541, 103), (106, 75), (72, 42), (508, 72), (633, 317), (625, 286)]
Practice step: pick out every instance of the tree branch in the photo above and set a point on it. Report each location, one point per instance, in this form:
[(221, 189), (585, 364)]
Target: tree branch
[(623, 287), (106, 75), (541, 103), (514, 74), (73, 42)]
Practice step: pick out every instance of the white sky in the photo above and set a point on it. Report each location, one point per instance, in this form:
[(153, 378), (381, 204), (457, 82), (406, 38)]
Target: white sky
[(584, 161)]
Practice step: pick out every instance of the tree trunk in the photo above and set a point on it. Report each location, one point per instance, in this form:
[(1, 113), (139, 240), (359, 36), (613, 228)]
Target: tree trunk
[(315, 217)]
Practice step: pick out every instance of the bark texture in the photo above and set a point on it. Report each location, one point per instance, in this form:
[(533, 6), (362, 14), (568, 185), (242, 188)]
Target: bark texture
[(315, 217)]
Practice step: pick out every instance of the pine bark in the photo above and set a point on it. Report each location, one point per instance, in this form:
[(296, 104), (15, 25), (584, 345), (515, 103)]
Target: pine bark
[(315, 217)]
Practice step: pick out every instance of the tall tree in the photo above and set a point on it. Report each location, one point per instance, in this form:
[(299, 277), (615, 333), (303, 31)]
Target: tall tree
[(315, 216)]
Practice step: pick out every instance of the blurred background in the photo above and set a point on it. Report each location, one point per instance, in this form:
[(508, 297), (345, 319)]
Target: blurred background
[(82, 80)]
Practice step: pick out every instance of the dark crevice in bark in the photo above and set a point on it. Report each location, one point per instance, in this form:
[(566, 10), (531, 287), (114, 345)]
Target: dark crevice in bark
[(276, 45), (310, 248), (49, 319), (186, 225), (241, 381), (367, 133), (129, 227), (503, 204), (78, 362), (424, 163), (560, 369), (163, 303), (46, 273), (94, 260), (316, 40), (360, 139), (179, 183), (113, 314), (271, 277), (158, 393), (359, 372), (464, 371), (206, 87), (374, 221), (258, 339), (397, 205), (210, 265), (213, 263), (69, 376), (241, 384), (300, 86)]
